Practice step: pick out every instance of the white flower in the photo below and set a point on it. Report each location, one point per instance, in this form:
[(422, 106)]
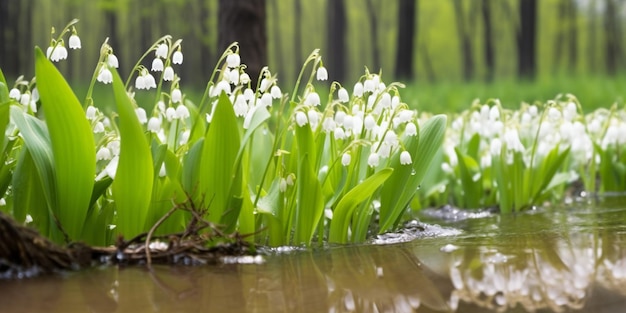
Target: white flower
[(314, 118), (511, 138), (98, 128), (150, 82), (328, 124), (369, 85), (140, 82), (569, 112), (339, 117), (221, 86), (161, 51), (176, 95), (170, 114), (240, 106), (410, 129), (266, 99), (25, 98), (395, 102), (112, 61), (49, 52), (184, 137), (343, 96), (244, 78), (58, 53), (154, 124), (264, 85), (103, 154), (554, 114), (91, 112), (15, 94), (34, 95), (301, 119), (369, 122), (248, 94), (339, 133), (322, 73), (141, 115), (312, 99), (157, 65), (111, 168), (373, 159), (233, 60), (114, 146), (405, 158), (358, 89), (177, 58), (233, 77), (495, 147), (74, 42), (168, 74), (275, 91), (385, 100), (105, 76), (345, 159), (182, 112)]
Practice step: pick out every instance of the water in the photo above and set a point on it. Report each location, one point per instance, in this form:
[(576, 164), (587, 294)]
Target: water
[(564, 260)]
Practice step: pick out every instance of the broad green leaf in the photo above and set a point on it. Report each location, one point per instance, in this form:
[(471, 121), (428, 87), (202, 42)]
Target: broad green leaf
[(217, 166), (37, 141), (27, 191), (406, 179), (134, 177), (191, 175), (342, 214), (472, 189), (310, 205), (2, 78), (72, 145)]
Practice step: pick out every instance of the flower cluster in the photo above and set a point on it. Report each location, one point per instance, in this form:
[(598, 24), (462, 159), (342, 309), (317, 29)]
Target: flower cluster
[(57, 50)]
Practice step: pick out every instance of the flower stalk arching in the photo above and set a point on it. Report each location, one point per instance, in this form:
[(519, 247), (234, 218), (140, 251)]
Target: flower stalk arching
[(165, 38)]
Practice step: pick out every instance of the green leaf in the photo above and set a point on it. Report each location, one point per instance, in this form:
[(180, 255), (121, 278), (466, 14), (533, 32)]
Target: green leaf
[(2, 78), (217, 166), (72, 145), (402, 186), (134, 177), (342, 214), (472, 190), (37, 141), (310, 203), (27, 190)]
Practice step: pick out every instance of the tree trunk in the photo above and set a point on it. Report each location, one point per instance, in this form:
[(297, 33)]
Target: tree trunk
[(526, 39), (244, 21), (559, 42), (490, 58), (406, 39), (371, 13), (592, 41), (9, 62), (336, 45), (467, 57)]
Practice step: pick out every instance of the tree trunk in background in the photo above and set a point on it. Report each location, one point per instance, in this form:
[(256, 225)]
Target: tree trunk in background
[(371, 14), (297, 40), (336, 40), (406, 39), (612, 41), (244, 21), (467, 57), (9, 56), (490, 52), (526, 39)]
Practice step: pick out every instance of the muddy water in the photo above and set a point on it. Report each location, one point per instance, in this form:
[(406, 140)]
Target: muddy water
[(567, 260)]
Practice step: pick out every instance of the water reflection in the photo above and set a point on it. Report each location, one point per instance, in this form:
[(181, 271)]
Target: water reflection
[(573, 261)]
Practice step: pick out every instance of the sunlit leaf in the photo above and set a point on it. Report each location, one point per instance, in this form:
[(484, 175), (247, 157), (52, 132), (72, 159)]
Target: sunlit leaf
[(72, 145), (132, 186)]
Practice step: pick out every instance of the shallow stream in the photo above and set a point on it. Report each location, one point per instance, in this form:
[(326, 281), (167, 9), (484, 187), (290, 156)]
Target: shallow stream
[(570, 259)]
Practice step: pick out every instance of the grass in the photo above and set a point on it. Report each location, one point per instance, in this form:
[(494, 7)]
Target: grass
[(445, 97)]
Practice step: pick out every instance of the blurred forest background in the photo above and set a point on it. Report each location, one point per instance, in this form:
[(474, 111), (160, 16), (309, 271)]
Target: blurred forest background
[(438, 45)]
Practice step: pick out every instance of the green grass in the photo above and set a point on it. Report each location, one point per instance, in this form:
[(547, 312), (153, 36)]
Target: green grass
[(592, 91)]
